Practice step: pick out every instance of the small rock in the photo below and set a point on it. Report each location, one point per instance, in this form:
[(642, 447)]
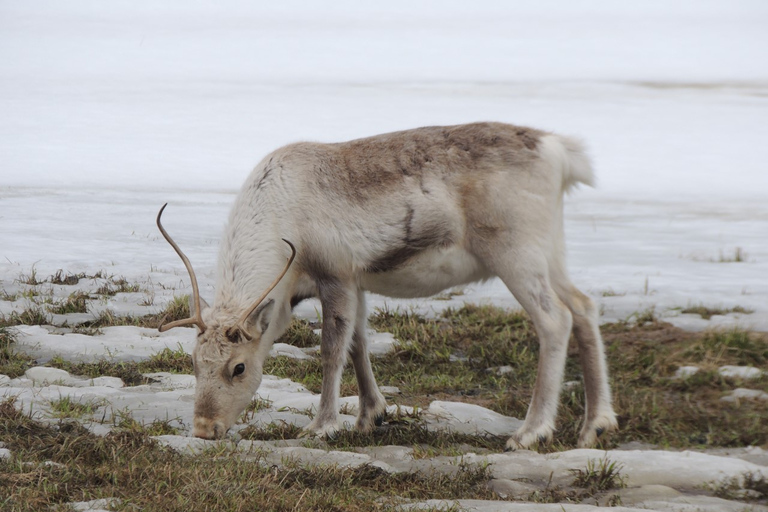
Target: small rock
[(685, 371), (5, 453), (741, 372)]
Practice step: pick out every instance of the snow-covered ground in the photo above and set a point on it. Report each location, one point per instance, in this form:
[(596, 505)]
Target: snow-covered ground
[(110, 109)]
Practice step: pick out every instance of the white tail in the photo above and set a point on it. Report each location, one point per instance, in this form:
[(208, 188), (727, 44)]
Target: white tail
[(405, 214)]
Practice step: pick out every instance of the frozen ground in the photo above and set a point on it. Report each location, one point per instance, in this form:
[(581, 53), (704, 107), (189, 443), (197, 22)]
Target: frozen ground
[(111, 109)]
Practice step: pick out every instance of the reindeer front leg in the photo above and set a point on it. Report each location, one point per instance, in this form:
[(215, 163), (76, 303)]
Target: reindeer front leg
[(339, 302)]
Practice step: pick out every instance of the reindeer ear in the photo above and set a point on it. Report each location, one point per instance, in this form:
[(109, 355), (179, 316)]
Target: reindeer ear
[(203, 305), (258, 321)]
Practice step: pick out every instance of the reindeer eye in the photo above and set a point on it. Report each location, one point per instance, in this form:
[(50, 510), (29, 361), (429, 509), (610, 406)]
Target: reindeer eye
[(239, 368)]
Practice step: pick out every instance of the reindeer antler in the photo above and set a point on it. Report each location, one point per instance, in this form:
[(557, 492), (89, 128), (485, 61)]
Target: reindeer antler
[(244, 318), (197, 319)]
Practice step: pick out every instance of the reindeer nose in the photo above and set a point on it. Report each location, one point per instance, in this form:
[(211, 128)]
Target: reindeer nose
[(208, 429)]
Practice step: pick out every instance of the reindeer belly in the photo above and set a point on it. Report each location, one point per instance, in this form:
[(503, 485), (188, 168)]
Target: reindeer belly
[(427, 273)]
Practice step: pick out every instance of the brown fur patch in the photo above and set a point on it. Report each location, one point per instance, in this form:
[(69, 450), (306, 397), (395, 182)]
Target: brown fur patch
[(205, 407), (362, 168)]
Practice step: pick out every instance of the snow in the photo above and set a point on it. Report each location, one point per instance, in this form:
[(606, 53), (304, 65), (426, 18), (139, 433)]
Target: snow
[(109, 110)]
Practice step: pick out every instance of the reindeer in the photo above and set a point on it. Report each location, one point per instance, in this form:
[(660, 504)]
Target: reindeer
[(405, 214)]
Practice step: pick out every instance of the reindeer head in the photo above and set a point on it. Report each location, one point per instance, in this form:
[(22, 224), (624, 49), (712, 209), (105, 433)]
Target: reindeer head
[(227, 357)]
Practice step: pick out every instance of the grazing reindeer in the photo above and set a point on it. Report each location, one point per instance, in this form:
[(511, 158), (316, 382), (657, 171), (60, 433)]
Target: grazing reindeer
[(404, 214)]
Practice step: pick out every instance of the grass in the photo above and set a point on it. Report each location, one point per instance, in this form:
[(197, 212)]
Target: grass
[(600, 475), (444, 358), (124, 422), (77, 302), (113, 286), (67, 407), (141, 475), (592, 482), (447, 358), (12, 363), (707, 312), (739, 256), (33, 315)]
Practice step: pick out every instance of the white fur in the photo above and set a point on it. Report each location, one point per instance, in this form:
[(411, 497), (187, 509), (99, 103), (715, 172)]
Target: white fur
[(402, 225)]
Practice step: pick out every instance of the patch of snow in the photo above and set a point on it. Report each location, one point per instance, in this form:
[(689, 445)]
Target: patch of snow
[(191, 445), (390, 390), (45, 376), (170, 381), (501, 370), (469, 419), (745, 394), (316, 457), (681, 470), (501, 506), (121, 343), (741, 372), (685, 371), (571, 385), (380, 343), (100, 505), (283, 349)]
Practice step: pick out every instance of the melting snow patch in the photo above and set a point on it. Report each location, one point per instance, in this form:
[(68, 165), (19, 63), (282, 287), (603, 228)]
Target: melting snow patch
[(380, 343), (100, 505), (685, 371), (171, 381), (390, 390), (284, 349), (743, 393), (44, 376), (315, 457), (190, 444), (121, 343), (741, 372), (469, 419)]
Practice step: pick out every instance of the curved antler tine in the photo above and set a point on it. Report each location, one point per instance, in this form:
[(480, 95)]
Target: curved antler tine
[(197, 319), (244, 318), (178, 323)]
